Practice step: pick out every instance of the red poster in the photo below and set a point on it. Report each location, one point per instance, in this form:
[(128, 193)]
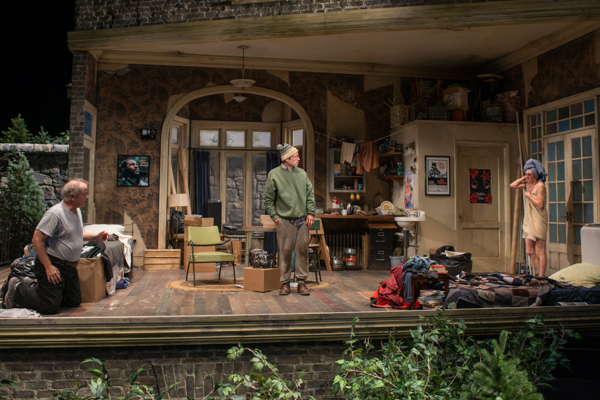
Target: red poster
[(480, 186)]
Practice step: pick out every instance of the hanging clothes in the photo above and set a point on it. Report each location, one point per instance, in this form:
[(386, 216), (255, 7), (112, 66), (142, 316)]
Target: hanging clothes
[(201, 181), (368, 157), (347, 152)]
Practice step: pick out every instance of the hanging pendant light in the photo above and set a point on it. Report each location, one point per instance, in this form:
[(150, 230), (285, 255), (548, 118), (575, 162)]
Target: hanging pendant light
[(239, 98), (243, 83)]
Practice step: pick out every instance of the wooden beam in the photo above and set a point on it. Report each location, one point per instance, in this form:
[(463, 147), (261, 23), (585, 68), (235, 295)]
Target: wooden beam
[(338, 22), (110, 58), (184, 175)]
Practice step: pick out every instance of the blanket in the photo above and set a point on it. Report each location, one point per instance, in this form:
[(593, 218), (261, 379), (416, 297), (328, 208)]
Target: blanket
[(499, 290)]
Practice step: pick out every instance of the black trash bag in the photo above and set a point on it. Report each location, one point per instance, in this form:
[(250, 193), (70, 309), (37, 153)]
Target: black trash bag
[(456, 264), (261, 259), (23, 268)]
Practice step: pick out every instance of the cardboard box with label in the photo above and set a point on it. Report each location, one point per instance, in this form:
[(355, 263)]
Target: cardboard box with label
[(92, 280), (262, 279)]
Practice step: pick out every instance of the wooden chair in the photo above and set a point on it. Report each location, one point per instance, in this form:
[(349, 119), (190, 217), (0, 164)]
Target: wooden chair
[(316, 230), (203, 240)]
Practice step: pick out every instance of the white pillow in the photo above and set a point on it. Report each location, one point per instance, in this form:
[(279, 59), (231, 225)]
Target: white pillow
[(110, 229)]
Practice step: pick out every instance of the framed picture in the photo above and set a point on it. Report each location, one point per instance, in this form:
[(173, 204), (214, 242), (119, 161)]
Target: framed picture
[(133, 171), (437, 169)]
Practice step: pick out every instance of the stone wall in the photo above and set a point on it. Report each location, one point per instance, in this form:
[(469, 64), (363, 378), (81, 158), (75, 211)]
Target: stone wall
[(105, 14), (41, 372), (50, 164)]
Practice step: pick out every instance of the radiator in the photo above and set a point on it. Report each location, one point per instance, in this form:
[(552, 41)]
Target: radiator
[(337, 242)]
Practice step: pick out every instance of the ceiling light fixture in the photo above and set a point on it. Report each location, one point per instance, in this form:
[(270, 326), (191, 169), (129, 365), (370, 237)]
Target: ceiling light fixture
[(239, 98), (243, 83)]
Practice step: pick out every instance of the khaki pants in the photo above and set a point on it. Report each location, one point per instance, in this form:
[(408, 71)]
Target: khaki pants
[(292, 238)]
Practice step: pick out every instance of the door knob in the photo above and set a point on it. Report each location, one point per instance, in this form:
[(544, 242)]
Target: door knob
[(459, 215)]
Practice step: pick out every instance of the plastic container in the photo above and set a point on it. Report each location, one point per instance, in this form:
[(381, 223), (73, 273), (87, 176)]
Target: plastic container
[(590, 251), (396, 261)]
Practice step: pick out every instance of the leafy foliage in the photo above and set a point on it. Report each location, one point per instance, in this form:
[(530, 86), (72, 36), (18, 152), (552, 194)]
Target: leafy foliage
[(272, 386), (9, 383), (19, 191), (440, 361), (19, 133)]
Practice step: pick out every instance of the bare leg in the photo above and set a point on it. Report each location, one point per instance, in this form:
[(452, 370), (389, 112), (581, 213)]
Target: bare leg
[(530, 244), (540, 248)]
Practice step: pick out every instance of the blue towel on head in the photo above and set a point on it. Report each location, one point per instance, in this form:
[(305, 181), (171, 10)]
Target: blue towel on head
[(536, 168)]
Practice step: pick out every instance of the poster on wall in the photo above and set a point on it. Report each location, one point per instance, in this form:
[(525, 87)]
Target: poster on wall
[(480, 186), (133, 170), (438, 176), (408, 189)]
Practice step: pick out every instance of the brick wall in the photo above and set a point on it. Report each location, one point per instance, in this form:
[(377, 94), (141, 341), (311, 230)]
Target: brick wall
[(77, 119), (105, 14), (41, 372)]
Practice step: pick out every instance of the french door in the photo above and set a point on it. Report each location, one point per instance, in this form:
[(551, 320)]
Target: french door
[(571, 189)]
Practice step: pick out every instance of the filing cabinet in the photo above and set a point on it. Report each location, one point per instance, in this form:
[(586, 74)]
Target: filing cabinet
[(381, 247)]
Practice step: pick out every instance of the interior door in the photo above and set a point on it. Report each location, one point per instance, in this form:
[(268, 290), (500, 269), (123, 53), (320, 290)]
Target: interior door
[(571, 166), (481, 206)]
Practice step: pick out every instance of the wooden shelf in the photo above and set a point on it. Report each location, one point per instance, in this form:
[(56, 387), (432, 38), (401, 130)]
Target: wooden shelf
[(392, 178), (391, 154)]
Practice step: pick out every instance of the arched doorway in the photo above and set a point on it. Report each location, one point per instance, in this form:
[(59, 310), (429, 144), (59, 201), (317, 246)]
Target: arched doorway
[(214, 90)]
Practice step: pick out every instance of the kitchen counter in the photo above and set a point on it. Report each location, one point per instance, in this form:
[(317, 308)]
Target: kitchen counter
[(367, 218)]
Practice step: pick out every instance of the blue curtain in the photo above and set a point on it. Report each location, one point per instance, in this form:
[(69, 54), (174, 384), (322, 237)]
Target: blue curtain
[(270, 244), (201, 181)]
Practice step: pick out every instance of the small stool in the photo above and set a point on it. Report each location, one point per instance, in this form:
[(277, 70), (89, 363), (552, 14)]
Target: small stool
[(416, 279), (314, 257)]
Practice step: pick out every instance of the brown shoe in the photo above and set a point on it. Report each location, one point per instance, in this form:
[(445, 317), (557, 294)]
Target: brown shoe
[(302, 289), (285, 289)]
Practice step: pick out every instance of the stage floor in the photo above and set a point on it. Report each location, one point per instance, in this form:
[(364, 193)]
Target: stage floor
[(150, 294)]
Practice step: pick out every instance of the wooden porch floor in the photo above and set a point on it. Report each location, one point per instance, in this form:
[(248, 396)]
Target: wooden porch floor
[(149, 295)]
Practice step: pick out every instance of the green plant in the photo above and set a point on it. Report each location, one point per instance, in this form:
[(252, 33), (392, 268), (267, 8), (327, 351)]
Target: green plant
[(439, 362), (99, 386), (43, 137), (62, 138), (19, 191), (8, 383), (272, 386), (18, 133), (499, 377)]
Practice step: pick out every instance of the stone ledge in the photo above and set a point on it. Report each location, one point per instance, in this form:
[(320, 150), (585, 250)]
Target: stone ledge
[(29, 148)]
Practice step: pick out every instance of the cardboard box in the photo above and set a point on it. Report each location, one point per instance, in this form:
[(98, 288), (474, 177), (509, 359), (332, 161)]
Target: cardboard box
[(92, 280), (456, 97), (198, 221), (262, 280), (162, 260)]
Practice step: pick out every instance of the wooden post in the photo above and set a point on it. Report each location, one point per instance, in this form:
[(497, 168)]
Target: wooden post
[(173, 187), (184, 174), (515, 233)]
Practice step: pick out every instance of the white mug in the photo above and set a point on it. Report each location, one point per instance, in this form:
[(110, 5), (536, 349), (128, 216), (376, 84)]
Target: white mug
[(344, 212)]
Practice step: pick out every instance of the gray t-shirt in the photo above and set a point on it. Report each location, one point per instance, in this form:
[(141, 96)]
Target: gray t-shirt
[(65, 232)]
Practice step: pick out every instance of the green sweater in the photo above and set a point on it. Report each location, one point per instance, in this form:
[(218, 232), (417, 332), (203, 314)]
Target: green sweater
[(289, 194)]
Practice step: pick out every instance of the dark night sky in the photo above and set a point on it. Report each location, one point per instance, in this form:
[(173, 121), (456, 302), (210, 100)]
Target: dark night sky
[(37, 63)]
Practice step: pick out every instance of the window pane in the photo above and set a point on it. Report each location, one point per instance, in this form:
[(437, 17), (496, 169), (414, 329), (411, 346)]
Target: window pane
[(577, 235), (588, 191), (564, 125), (539, 118), (576, 169), (577, 191), (560, 188), (578, 213), (577, 123), (551, 152), (576, 144), (236, 138), (586, 146), (590, 119), (551, 116), (563, 112), (209, 138), (589, 213), (562, 212), (589, 105), (259, 179), (552, 172), (562, 233), (576, 109), (553, 233), (560, 171), (261, 139), (587, 168), (560, 150), (534, 133), (552, 128), (552, 192), (174, 135), (534, 148), (234, 207), (552, 213), (298, 137)]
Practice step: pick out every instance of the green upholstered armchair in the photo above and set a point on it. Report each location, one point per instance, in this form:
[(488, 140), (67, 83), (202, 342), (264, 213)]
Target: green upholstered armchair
[(203, 240)]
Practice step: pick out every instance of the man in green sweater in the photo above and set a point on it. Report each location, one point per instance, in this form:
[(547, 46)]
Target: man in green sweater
[(290, 202)]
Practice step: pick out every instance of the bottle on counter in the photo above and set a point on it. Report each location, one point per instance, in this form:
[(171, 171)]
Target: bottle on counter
[(399, 170)]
